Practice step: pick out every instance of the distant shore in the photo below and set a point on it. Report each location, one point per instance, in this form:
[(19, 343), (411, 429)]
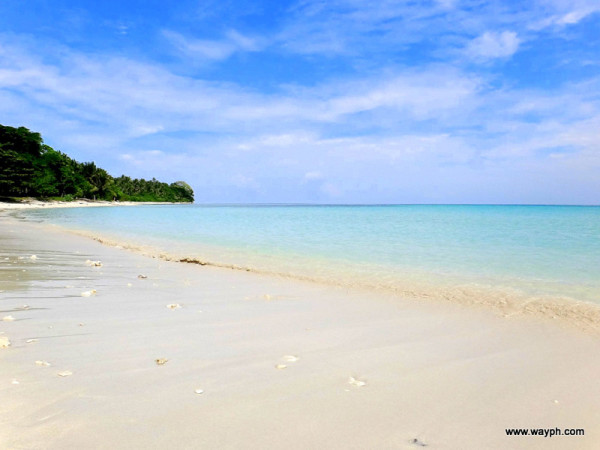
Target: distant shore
[(32, 203)]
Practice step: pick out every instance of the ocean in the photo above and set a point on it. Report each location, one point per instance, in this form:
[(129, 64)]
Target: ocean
[(503, 256)]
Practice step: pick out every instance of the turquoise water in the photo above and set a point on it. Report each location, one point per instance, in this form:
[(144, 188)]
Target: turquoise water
[(423, 250)]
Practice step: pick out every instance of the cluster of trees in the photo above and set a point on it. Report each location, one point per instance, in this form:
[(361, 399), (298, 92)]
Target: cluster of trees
[(29, 168)]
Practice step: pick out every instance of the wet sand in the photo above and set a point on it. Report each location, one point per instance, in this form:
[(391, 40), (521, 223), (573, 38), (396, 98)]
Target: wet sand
[(159, 354)]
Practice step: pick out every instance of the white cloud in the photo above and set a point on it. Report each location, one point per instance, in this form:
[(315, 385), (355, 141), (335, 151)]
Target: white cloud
[(373, 133), (354, 28), (563, 13), (423, 94), (572, 17), (493, 45)]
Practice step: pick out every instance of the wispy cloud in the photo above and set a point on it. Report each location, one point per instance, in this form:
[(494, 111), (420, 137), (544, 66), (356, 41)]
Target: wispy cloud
[(562, 13), (204, 49), (338, 26), (351, 28)]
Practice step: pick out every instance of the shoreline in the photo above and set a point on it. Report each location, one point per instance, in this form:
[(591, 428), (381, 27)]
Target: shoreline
[(35, 204), (362, 370), (581, 315), (503, 301)]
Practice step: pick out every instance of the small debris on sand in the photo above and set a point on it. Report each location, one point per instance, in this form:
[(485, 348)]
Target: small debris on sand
[(8, 318), (199, 391), (415, 441), (23, 307), (356, 382), (280, 366), (160, 361), (88, 293), (33, 257), (43, 363), (129, 284), (142, 277), (14, 381), (4, 342), (290, 358), (174, 306), (93, 263), (65, 373), (30, 341)]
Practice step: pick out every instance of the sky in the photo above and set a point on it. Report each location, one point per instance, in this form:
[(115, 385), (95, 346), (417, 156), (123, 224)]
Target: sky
[(317, 101)]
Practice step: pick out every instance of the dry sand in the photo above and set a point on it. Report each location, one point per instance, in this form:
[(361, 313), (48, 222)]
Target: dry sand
[(189, 357)]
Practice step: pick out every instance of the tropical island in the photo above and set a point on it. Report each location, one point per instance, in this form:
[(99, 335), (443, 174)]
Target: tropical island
[(30, 168)]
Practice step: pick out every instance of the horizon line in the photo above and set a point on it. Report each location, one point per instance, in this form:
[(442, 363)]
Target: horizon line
[(388, 204)]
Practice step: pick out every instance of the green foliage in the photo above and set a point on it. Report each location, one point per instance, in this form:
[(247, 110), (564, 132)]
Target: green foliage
[(30, 168), (143, 191), (19, 148)]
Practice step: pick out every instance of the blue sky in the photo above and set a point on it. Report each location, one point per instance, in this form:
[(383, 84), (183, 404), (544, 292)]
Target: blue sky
[(340, 101)]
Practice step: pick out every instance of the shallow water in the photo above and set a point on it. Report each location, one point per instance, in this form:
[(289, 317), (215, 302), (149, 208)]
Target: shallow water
[(477, 254)]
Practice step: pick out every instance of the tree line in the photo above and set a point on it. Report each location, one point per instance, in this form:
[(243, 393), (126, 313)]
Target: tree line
[(30, 168)]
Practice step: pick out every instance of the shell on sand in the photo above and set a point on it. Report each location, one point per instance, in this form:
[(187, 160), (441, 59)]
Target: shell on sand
[(4, 342), (280, 366), (8, 318), (88, 293), (33, 257), (65, 373), (29, 341), (199, 391), (160, 361), (174, 306), (356, 382), (42, 363), (290, 358)]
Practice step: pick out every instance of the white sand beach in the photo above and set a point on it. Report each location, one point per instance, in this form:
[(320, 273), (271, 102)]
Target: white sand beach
[(138, 353), (33, 203)]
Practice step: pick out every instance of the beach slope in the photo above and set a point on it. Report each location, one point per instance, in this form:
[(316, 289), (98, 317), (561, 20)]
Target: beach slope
[(114, 350)]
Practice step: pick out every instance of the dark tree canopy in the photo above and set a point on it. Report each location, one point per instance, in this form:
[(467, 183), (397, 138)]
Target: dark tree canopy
[(29, 168)]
